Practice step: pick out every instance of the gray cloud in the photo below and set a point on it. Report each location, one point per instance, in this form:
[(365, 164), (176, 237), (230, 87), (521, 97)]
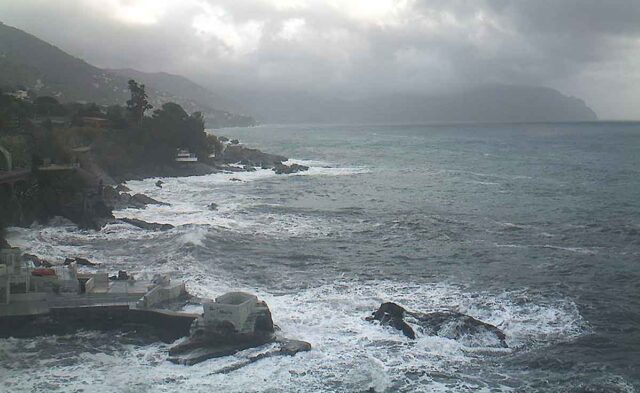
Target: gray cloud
[(588, 48)]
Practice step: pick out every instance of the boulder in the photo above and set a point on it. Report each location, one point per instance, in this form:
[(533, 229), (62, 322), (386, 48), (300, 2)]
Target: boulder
[(212, 206), (449, 324), (141, 199), (281, 169), (235, 179), (150, 226), (159, 183)]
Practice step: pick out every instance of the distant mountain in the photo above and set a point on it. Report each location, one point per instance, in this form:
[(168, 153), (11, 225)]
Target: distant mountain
[(27, 62), (489, 103), (32, 63)]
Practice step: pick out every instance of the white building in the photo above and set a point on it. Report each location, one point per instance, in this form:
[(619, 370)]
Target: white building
[(183, 155), (234, 309)]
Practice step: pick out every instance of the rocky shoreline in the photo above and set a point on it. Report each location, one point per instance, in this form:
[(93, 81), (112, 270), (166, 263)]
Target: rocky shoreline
[(88, 195)]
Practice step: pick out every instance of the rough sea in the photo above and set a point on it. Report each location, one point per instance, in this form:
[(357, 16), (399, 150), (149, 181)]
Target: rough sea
[(533, 228)]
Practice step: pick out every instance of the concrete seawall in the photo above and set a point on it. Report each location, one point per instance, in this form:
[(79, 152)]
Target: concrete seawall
[(162, 324)]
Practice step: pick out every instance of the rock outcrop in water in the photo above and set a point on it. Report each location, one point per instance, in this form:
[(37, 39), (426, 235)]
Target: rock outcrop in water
[(234, 154), (150, 226), (282, 169), (121, 200), (449, 324)]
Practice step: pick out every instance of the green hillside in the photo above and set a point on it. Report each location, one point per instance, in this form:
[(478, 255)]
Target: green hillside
[(29, 63)]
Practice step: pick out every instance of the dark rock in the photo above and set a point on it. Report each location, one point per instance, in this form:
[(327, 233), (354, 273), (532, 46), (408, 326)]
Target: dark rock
[(85, 262), (223, 139), (392, 314), (144, 200), (33, 258), (450, 324), (80, 261), (281, 169), (235, 179), (249, 168), (37, 261), (110, 193), (123, 200), (287, 347), (122, 188), (159, 183), (213, 206), (151, 226), (235, 142), (253, 157)]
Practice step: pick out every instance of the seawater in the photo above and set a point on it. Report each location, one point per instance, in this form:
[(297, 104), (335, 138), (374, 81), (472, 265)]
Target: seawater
[(533, 228)]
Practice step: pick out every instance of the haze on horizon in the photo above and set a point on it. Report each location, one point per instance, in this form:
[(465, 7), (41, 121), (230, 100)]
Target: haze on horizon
[(358, 48)]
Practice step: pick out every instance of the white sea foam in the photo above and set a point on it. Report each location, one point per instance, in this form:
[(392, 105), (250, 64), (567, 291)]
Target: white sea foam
[(349, 353), (189, 198), (579, 250)]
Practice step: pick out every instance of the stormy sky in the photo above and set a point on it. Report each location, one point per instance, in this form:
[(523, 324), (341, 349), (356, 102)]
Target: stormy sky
[(586, 48)]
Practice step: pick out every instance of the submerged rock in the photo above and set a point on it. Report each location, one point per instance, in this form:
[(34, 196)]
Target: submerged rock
[(449, 324), (151, 226), (212, 206)]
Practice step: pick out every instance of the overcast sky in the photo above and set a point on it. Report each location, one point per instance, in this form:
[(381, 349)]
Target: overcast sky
[(586, 48)]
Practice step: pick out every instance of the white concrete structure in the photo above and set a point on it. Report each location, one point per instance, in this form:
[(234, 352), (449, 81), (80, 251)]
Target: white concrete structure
[(27, 290), (13, 273), (236, 308)]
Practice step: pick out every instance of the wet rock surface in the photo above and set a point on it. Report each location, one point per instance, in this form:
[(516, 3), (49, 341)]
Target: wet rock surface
[(250, 157), (80, 261), (150, 226), (282, 169), (449, 324), (123, 200)]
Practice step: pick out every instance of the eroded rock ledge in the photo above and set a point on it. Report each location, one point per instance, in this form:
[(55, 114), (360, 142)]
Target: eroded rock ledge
[(449, 324)]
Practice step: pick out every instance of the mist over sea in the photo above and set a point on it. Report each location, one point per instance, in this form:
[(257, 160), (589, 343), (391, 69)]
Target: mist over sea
[(533, 228)]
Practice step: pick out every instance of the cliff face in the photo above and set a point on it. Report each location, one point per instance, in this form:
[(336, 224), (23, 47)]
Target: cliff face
[(74, 195)]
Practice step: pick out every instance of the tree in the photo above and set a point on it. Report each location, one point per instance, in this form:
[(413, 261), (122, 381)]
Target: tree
[(48, 106), (116, 116), (138, 104)]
